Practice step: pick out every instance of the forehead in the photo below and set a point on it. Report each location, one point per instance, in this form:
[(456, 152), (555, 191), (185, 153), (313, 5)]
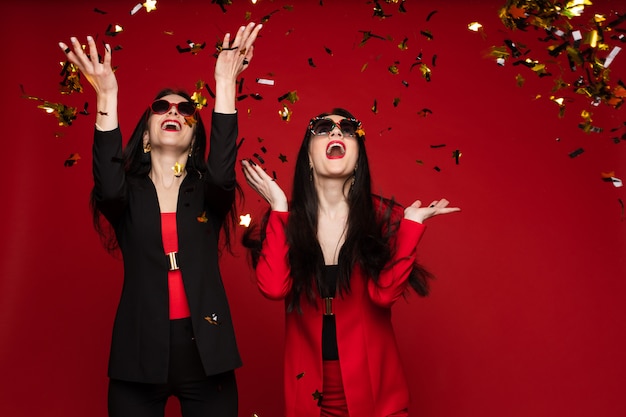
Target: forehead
[(335, 117), (173, 98)]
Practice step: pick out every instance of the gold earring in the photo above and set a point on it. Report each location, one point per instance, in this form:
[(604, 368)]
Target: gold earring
[(147, 147)]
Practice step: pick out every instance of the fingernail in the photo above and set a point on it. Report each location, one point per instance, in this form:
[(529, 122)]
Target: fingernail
[(251, 162)]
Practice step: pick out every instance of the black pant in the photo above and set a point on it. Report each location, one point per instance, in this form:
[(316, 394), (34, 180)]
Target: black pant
[(199, 395)]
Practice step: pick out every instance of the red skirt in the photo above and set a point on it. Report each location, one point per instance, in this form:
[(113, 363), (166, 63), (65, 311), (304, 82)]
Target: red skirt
[(334, 399)]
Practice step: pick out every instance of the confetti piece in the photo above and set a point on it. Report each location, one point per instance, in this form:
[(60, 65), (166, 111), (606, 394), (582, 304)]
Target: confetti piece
[(317, 396), (193, 47), (285, 113), (150, 5), (474, 26), (283, 158), (425, 72), (300, 375), (378, 11), (609, 59), (244, 220), (202, 218), (265, 81), (456, 154), (291, 96), (135, 9), (178, 169), (212, 319), (259, 158), (427, 34), (431, 14), (393, 69), (113, 30), (71, 160), (576, 153)]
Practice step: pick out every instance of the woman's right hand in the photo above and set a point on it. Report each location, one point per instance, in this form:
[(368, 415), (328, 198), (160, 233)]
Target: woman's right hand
[(99, 74), (264, 185)]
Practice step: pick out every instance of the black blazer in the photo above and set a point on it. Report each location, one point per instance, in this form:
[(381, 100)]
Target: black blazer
[(140, 344)]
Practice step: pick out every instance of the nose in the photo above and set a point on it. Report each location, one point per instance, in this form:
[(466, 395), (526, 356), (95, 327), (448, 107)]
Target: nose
[(173, 108), (336, 131)]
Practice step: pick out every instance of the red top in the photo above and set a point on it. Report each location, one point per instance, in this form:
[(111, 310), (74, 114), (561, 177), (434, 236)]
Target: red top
[(179, 308)]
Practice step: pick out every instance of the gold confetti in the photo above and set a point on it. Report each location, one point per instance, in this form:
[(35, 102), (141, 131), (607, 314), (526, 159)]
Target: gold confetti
[(150, 5), (71, 160), (202, 218), (474, 26), (245, 220), (285, 113), (178, 169)]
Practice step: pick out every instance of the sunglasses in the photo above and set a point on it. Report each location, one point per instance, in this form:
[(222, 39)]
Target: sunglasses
[(322, 126), (185, 108)]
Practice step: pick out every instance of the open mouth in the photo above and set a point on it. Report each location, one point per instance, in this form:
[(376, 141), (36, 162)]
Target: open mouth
[(171, 125), (335, 150)]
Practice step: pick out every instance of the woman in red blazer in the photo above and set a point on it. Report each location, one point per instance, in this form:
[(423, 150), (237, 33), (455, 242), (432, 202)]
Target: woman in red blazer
[(339, 257)]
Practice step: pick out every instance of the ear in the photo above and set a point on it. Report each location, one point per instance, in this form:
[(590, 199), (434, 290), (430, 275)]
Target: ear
[(146, 138)]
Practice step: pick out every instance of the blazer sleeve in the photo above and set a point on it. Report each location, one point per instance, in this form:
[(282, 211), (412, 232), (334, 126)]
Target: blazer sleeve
[(108, 174), (272, 271), (393, 278), (221, 177)]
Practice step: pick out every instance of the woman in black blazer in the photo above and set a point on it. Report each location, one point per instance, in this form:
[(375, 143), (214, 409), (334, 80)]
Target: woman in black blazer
[(166, 205)]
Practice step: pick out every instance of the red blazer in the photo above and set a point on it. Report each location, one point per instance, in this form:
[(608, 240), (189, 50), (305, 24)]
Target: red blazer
[(373, 378)]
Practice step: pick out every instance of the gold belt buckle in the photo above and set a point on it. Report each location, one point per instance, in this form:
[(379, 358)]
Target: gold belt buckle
[(173, 259), (328, 306)]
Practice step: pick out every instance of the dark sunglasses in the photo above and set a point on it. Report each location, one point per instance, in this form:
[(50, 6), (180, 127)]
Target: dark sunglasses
[(185, 108), (321, 126)]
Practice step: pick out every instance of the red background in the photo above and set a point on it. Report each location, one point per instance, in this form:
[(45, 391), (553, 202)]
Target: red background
[(527, 315)]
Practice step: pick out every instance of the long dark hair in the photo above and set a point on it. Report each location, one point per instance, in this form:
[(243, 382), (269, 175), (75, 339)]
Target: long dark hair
[(372, 223), (137, 164)]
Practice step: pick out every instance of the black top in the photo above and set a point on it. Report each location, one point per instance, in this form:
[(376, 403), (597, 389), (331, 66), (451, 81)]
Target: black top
[(329, 329)]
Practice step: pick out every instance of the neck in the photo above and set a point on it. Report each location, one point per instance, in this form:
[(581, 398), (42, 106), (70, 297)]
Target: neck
[(162, 168), (331, 194)]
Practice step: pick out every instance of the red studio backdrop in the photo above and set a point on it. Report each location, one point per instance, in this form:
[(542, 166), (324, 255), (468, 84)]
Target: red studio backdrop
[(527, 314)]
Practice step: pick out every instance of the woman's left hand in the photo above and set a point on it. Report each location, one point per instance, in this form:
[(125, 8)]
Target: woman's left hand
[(417, 213)]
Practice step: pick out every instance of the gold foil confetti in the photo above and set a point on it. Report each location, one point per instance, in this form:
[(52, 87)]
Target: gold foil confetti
[(244, 220), (202, 218), (212, 319), (71, 160), (150, 5), (285, 113), (178, 169)]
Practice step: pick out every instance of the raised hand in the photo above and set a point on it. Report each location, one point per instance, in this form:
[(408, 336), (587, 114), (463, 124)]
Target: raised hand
[(232, 59), (417, 213), (99, 74), (264, 185)]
